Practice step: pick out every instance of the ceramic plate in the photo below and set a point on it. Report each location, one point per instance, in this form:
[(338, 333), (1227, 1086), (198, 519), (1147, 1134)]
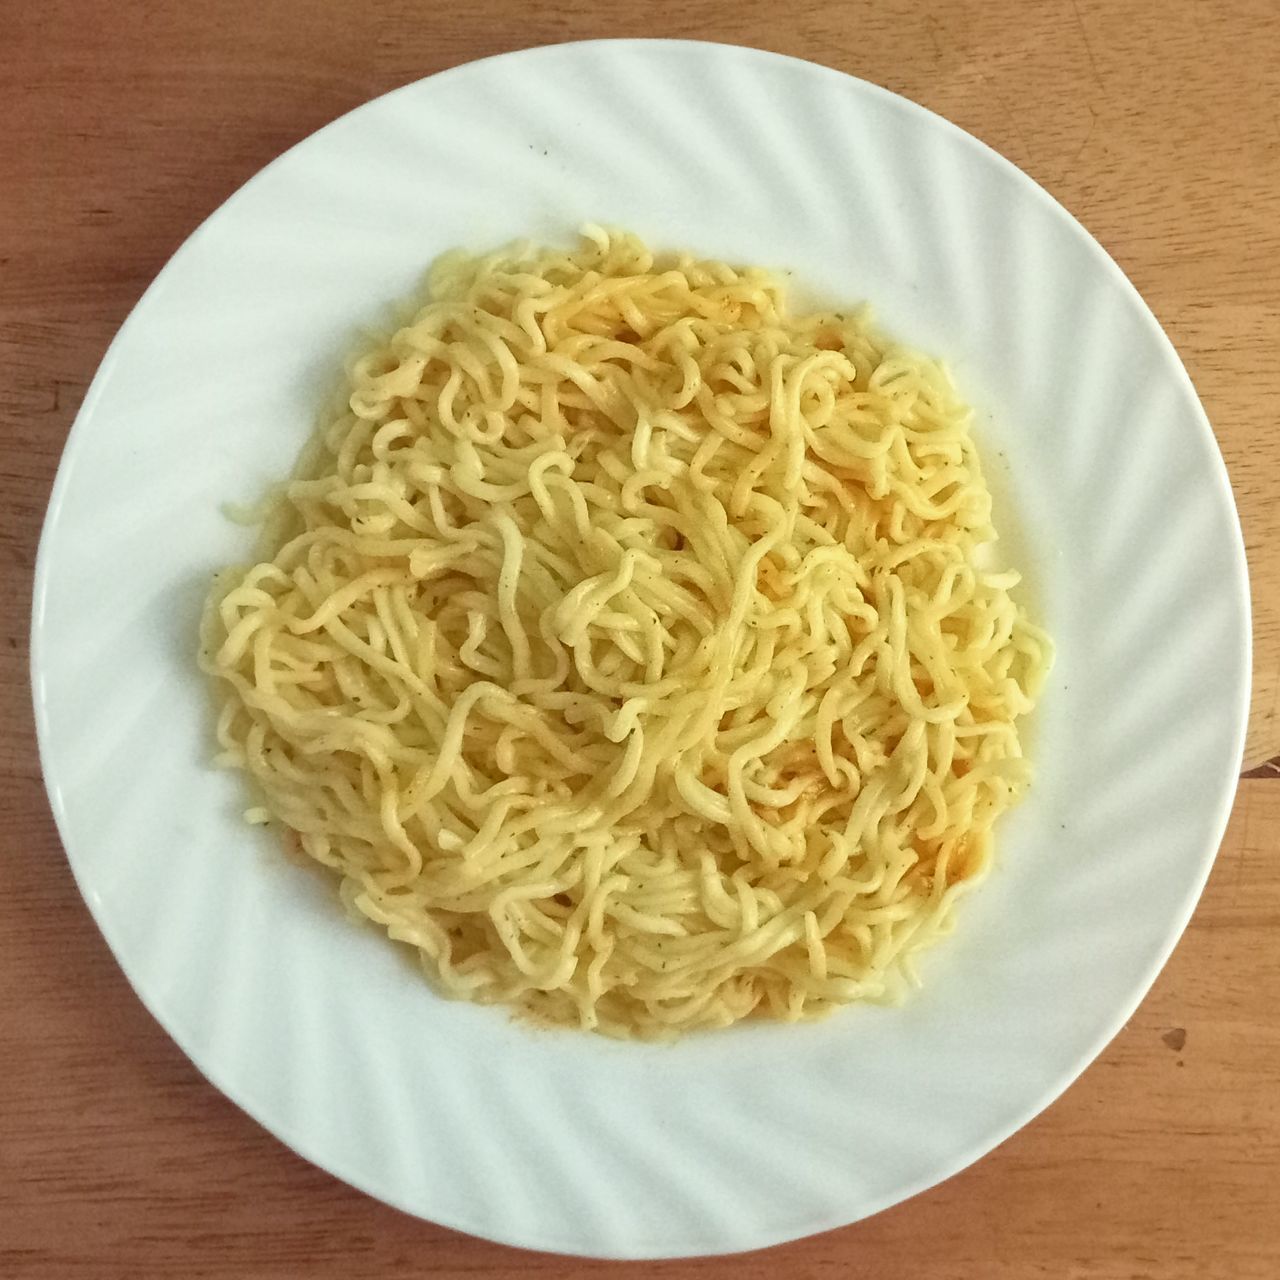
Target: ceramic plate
[(1108, 472)]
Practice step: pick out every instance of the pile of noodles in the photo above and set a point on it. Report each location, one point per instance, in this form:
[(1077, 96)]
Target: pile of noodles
[(625, 648)]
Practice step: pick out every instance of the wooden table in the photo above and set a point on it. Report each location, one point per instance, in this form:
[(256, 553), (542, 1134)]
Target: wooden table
[(1154, 121)]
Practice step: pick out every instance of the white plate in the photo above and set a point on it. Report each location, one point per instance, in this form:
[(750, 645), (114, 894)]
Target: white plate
[(729, 1140)]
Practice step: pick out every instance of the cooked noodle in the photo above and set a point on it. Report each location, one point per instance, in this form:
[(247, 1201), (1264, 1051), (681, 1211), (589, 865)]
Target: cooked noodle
[(625, 647)]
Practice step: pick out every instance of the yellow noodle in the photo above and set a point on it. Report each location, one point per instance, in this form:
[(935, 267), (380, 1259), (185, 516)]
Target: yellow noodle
[(623, 647)]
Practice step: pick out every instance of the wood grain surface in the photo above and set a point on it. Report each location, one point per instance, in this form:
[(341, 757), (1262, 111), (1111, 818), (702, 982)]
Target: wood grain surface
[(1154, 121)]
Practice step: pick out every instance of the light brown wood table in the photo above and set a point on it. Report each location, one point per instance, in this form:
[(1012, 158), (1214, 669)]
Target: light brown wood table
[(122, 126)]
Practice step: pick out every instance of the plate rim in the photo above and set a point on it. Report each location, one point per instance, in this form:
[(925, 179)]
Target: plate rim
[(279, 1128)]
